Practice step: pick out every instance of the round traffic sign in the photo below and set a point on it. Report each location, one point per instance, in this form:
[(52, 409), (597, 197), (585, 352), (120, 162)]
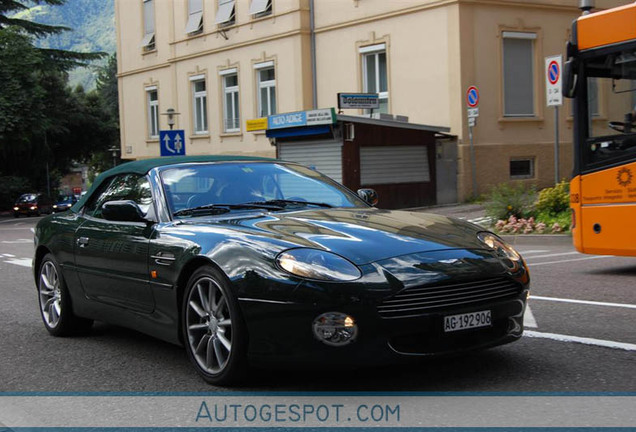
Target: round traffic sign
[(553, 72), (472, 96)]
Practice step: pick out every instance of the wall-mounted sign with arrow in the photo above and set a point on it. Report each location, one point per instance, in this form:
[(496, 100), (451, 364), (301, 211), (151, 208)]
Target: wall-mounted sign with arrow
[(172, 142)]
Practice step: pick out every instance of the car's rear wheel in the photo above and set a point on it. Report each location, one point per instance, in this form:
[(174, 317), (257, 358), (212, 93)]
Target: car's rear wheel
[(213, 329), (55, 301)]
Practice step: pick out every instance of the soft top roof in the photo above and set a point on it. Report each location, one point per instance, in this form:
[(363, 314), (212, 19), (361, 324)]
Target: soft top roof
[(142, 166)]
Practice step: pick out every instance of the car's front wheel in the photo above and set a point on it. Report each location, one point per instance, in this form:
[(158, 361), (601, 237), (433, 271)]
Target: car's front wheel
[(55, 301), (213, 328)]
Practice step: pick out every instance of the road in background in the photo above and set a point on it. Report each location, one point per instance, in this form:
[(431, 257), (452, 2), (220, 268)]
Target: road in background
[(580, 338)]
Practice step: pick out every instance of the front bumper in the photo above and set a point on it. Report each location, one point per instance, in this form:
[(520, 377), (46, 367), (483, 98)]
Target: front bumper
[(283, 333)]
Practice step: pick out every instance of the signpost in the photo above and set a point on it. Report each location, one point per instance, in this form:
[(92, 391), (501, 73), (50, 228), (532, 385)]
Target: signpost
[(472, 100), (172, 142), (358, 101), (554, 97)]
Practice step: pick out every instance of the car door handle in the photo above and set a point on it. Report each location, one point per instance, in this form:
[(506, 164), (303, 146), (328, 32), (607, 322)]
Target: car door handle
[(82, 242)]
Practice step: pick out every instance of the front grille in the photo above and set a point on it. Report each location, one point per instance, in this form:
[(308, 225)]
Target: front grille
[(421, 300)]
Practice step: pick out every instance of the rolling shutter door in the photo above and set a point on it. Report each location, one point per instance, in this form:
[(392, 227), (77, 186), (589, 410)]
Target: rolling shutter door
[(394, 164), (325, 157)]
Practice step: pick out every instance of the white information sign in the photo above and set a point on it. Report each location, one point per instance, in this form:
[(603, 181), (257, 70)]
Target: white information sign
[(473, 112), (553, 80)]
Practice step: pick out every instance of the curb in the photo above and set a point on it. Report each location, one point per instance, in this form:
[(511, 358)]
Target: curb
[(539, 239)]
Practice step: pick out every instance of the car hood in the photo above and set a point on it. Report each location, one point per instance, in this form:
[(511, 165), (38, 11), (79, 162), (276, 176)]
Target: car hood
[(361, 235)]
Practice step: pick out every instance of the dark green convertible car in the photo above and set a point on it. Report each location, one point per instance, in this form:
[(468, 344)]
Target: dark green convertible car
[(257, 260)]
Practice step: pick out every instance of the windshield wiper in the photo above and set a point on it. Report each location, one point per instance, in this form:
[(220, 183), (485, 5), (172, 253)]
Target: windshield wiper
[(285, 202), (224, 208)]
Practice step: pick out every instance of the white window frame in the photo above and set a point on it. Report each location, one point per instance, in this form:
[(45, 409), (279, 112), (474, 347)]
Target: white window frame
[(148, 41), (270, 85), (225, 13), (375, 51), (260, 8), (231, 114), (195, 17), (199, 102), (526, 36), (153, 112)]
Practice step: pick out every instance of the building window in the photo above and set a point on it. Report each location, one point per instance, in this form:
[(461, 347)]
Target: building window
[(152, 96), (199, 110), (266, 78), (374, 74), (148, 42), (518, 74), (195, 17), (225, 12), (231, 112), (522, 168), (261, 8)]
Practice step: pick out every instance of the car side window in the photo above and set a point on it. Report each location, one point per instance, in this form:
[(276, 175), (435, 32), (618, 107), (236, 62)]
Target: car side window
[(123, 187)]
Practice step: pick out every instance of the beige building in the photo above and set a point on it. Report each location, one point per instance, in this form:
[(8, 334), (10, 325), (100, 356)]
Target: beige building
[(219, 63)]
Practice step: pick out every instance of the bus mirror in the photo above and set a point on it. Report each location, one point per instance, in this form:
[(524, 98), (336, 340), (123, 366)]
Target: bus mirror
[(569, 79)]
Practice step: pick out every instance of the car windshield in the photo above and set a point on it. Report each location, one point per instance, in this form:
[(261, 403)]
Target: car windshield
[(269, 185), (27, 198)]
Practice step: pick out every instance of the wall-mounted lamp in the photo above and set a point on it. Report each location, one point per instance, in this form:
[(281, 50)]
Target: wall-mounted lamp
[(170, 112)]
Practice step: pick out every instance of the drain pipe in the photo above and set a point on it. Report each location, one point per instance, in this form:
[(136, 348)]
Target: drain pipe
[(586, 6), (312, 36)]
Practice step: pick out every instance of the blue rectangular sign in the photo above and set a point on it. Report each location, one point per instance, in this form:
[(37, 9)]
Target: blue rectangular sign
[(280, 121), (172, 142)]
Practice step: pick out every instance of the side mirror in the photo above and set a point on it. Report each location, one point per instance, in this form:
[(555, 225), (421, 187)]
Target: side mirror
[(369, 196), (122, 211), (569, 79)]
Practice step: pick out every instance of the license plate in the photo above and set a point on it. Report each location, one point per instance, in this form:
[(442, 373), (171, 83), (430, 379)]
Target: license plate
[(467, 321)]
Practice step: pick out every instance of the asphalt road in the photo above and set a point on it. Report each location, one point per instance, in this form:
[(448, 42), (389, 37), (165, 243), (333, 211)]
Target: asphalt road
[(580, 338)]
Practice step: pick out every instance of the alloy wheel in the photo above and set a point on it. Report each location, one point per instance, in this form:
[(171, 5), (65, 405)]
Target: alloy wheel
[(50, 294), (209, 325)]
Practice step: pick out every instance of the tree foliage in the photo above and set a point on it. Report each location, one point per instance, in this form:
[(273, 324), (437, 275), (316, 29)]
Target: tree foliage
[(45, 125)]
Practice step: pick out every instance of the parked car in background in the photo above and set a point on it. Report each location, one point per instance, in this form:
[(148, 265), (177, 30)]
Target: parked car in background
[(241, 259), (64, 202), (33, 204)]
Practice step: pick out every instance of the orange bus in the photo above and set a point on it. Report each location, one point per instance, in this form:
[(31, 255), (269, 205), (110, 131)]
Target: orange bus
[(600, 78)]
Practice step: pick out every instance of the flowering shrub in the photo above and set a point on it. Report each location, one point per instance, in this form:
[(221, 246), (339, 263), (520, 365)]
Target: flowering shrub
[(507, 200), (554, 200), (515, 225)]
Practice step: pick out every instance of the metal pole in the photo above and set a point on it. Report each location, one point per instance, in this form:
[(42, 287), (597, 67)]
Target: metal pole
[(312, 40), (556, 144), (472, 161)]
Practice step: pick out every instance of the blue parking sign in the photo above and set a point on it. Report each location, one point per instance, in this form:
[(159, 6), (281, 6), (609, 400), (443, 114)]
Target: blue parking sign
[(172, 142)]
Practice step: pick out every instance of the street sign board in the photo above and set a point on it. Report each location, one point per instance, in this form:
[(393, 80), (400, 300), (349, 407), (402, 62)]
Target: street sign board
[(256, 124), (302, 118), (553, 80), (358, 101), (172, 142), (472, 121), (472, 97), (473, 112)]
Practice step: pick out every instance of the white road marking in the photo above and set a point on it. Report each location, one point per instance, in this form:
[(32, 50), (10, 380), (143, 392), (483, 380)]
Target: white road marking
[(24, 262), (33, 230), (8, 255), (581, 340), (17, 241), (571, 260), (528, 319), (585, 302), (532, 251), (556, 254)]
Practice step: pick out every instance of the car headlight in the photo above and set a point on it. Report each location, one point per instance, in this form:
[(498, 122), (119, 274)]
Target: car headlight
[(509, 256), (317, 264)]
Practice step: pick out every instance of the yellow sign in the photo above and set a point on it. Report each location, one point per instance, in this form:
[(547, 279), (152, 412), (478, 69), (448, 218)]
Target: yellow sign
[(256, 124)]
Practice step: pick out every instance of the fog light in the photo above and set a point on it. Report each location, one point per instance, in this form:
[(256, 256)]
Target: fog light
[(16, 208), (335, 328), (34, 208)]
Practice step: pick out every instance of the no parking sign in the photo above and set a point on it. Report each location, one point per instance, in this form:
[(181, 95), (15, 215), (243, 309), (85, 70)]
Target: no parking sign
[(553, 80)]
